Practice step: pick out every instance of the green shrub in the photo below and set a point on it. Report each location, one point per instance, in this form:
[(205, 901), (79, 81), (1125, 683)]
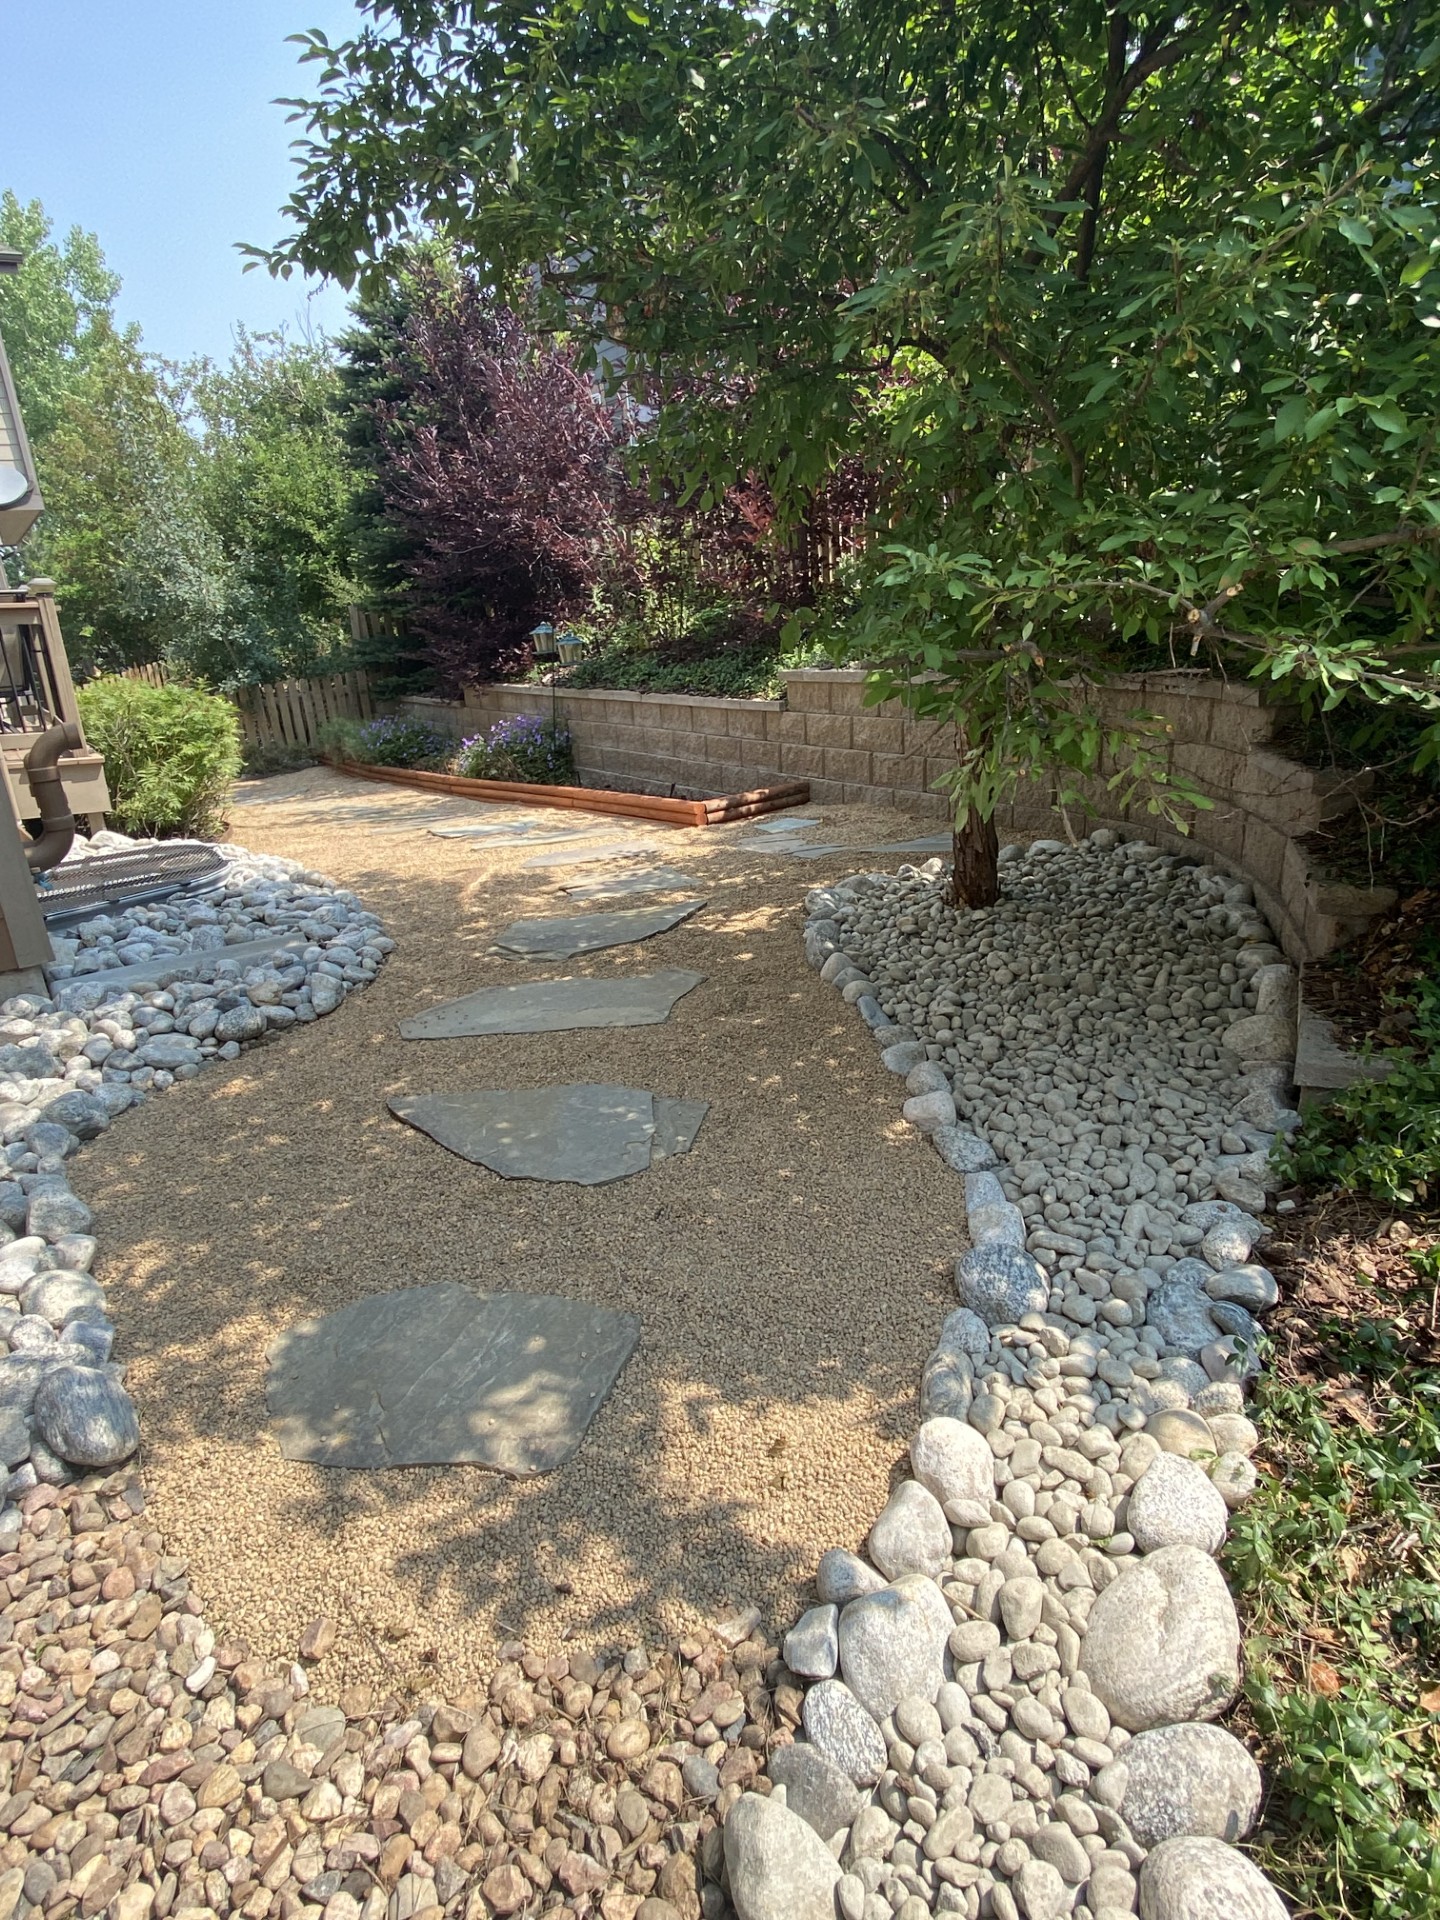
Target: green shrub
[(277, 756), (523, 748), (745, 674), (1380, 1137), (171, 754), (339, 740), (391, 741)]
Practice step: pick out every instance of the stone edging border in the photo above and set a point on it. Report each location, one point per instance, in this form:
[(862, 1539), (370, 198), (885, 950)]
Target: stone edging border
[(1153, 1794), (74, 1060)]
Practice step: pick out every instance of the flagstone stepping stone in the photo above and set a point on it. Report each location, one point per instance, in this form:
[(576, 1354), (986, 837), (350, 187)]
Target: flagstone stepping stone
[(616, 885), (592, 850), (434, 1375), (539, 830), (788, 823), (810, 850), (556, 1006), (510, 838), (562, 936), (588, 1134), (676, 1124), (926, 843), (805, 850)]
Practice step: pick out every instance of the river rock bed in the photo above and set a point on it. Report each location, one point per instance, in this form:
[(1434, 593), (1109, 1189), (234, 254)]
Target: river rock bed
[(1010, 1703), (73, 1060), (148, 1769)]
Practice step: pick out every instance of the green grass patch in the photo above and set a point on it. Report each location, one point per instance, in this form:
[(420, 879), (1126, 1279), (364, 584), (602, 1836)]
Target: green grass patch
[(1336, 1561)]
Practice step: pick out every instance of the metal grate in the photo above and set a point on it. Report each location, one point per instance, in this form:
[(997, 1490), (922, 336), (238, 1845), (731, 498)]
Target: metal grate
[(123, 879)]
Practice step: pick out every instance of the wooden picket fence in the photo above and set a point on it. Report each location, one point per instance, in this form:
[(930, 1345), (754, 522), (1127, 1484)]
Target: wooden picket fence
[(153, 674), (287, 713), (292, 713)]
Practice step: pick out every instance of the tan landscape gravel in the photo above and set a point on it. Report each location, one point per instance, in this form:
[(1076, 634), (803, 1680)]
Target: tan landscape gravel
[(790, 1272)]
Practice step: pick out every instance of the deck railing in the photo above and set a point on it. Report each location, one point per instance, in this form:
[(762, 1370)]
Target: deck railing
[(36, 690)]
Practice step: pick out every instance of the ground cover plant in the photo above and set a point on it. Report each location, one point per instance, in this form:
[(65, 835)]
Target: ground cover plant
[(523, 748), (1380, 1137), (1336, 1564), (735, 673), (393, 740)]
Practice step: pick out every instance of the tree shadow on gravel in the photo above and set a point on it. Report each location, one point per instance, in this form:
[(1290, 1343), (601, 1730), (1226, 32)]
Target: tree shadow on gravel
[(790, 1273)]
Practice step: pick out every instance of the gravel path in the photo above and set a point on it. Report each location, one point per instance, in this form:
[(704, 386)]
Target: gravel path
[(789, 1272)]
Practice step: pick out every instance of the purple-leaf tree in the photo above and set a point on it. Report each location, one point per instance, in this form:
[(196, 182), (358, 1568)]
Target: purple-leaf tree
[(506, 470)]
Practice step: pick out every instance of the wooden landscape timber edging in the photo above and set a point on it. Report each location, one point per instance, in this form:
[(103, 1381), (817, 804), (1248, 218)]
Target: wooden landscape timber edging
[(663, 810)]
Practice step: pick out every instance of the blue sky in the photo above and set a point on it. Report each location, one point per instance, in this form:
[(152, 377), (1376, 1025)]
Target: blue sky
[(150, 122)]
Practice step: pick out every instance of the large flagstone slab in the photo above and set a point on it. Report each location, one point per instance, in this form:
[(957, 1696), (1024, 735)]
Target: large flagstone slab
[(677, 1122), (795, 850), (812, 850), (438, 1375), (592, 851), (556, 1006), (587, 1134), (616, 886), (539, 829), (562, 936)]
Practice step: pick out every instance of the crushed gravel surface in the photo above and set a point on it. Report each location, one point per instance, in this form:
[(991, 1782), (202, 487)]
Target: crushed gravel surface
[(789, 1272)]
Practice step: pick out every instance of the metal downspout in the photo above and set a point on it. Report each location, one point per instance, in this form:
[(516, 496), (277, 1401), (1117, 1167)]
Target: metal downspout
[(57, 822)]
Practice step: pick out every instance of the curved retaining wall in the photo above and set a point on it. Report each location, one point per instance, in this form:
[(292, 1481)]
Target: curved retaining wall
[(1220, 733)]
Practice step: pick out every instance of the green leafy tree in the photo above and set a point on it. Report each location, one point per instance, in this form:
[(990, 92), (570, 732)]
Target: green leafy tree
[(1134, 308), (380, 412), (123, 532), (124, 535), (275, 488), (56, 313)]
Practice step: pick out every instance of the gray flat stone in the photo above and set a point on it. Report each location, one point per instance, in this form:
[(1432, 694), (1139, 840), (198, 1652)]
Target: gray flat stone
[(517, 830), (808, 850), (562, 936), (434, 1375), (926, 843), (1322, 1065), (489, 840), (590, 851), (788, 823), (589, 1134), (677, 1122), (801, 850), (556, 1006), (616, 886)]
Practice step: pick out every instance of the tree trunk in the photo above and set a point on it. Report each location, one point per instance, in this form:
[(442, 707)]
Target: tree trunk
[(976, 879)]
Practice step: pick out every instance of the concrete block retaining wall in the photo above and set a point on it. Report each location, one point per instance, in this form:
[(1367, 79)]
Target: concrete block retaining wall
[(821, 731)]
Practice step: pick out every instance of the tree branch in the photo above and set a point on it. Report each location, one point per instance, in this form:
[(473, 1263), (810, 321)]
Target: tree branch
[(1046, 405), (1114, 72), (1153, 58)]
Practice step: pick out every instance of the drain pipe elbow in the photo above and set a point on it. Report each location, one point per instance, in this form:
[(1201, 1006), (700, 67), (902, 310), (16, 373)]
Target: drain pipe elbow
[(57, 822)]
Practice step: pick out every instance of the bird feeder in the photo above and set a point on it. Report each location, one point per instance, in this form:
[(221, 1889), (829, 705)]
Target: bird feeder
[(544, 638)]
